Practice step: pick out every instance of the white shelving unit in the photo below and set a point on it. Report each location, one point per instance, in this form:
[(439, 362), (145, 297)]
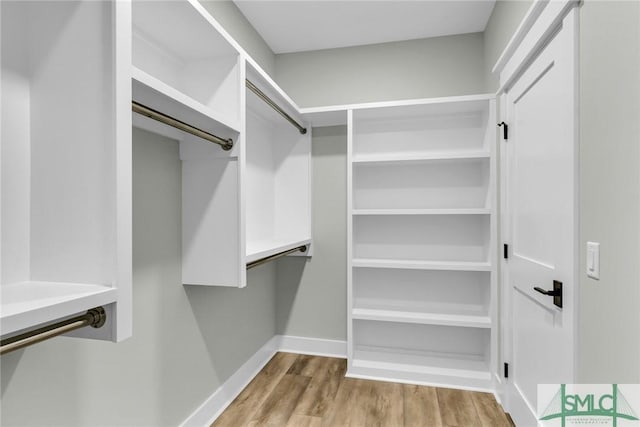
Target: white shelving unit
[(66, 165), (181, 56), (278, 174), (240, 205), (421, 267), (186, 67)]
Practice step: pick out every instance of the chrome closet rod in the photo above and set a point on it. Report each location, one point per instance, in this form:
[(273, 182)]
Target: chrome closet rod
[(264, 260), (96, 318), (275, 106), (226, 144)]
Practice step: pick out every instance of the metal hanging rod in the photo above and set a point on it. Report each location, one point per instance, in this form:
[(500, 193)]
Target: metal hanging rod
[(275, 256), (226, 144), (96, 318), (275, 106)]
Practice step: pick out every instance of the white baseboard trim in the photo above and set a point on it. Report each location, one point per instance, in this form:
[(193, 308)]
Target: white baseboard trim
[(313, 346), (215, 404)]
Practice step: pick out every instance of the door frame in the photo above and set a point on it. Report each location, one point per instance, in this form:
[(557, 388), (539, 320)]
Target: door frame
[(540, 24)]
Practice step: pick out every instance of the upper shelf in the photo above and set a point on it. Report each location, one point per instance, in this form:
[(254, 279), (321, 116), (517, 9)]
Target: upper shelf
[(335, 115), (195, 74), (156, 94)]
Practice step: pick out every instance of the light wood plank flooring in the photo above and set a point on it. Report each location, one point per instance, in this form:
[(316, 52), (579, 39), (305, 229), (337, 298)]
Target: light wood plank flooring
[(309, 391)]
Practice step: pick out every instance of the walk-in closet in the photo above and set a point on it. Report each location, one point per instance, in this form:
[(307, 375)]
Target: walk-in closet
[(319, 213)]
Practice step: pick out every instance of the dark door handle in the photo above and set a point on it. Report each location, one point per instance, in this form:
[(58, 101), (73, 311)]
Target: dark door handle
[(545, 292), (556, 293)]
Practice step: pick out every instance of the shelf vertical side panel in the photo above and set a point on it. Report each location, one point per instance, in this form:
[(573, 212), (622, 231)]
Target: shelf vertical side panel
[(350, 306), (241, 151), (124, 162), (210, 221), (491, 138)]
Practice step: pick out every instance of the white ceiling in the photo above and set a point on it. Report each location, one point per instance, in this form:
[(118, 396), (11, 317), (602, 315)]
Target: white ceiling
[(301, 25)]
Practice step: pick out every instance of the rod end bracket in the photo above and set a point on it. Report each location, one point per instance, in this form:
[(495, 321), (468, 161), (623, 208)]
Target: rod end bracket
[(97, 317)]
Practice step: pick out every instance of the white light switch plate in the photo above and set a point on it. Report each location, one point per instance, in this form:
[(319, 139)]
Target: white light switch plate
[(593, 260)]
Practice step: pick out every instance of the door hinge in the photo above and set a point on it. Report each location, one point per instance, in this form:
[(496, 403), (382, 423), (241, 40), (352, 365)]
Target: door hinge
[(505, 251), (506, 370), (505, 130)]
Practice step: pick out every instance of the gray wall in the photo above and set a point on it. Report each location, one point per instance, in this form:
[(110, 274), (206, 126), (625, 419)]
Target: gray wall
[(504, 20), (311, 295), (186, 340), (441, 66), (230, 17), (609, 316)]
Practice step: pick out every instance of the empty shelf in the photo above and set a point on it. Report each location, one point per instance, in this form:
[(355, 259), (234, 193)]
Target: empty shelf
[(441, 364), (156, 94), (473, 317), (421, 265), (456, 211), (263, 248), (420, 157), (27, 304)]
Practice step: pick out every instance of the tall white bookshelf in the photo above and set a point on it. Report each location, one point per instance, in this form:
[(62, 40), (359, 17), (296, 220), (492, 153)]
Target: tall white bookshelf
[(421, 245)]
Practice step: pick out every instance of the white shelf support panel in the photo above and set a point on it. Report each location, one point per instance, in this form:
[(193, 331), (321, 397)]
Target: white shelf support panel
[(66, 166), (421, 244)]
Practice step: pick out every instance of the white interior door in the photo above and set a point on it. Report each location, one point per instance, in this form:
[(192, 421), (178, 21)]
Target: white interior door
[(541, 224)]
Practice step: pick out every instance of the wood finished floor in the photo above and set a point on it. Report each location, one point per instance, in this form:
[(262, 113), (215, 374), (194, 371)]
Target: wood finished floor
[(309, 391)]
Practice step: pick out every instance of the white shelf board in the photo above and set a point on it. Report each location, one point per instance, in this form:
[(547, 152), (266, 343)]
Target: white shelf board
[(421, 157), (421, 265), (263, 248), (326, 118), (461, 211), (399, 103), (455, 365), (27, 304), (150, 90), (471, 320)]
